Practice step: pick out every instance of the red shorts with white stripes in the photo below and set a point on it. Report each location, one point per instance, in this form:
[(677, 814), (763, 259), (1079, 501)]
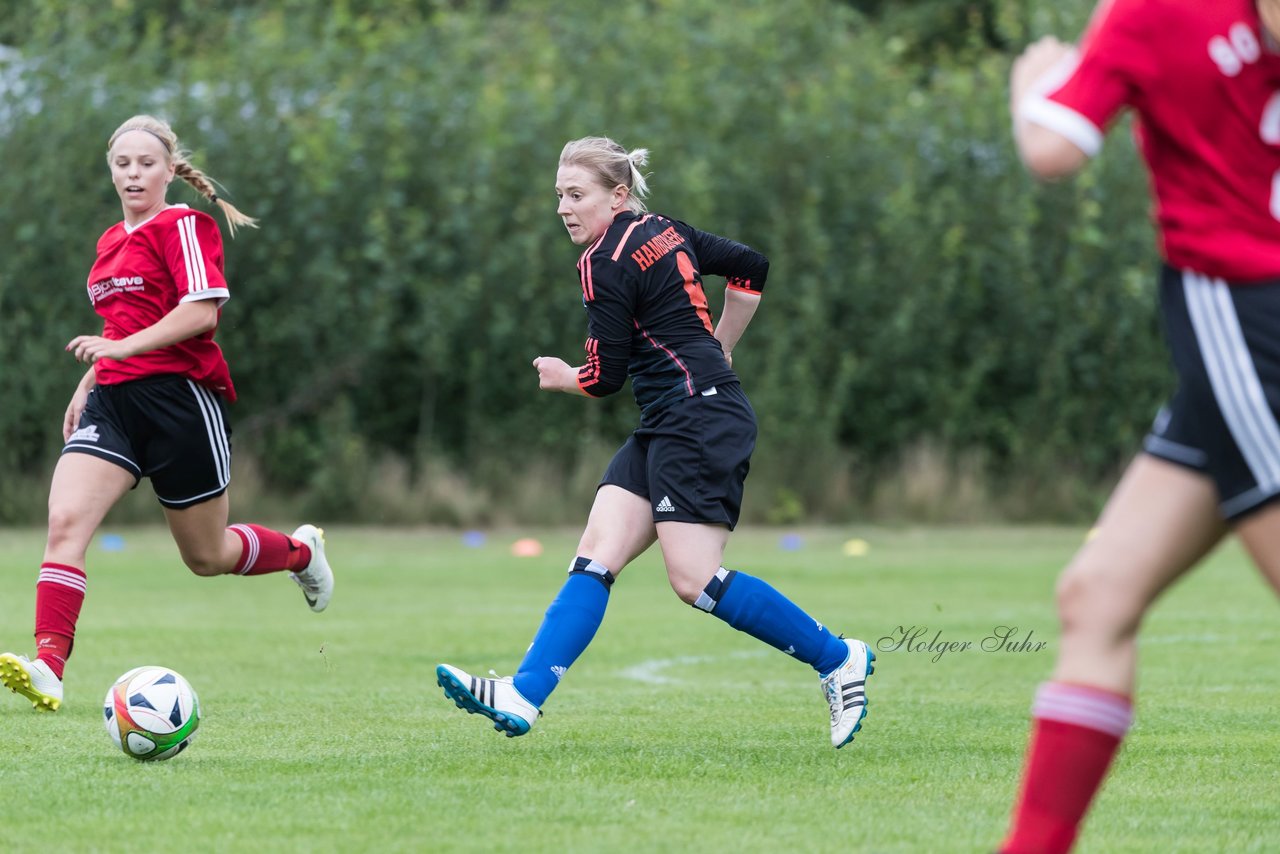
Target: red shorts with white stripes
[(1223, 419), (164, 427)]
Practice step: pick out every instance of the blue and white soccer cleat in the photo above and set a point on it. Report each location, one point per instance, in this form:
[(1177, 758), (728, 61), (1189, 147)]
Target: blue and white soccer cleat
[(316, 580), (32, 679), (496, 699), (845, 690)]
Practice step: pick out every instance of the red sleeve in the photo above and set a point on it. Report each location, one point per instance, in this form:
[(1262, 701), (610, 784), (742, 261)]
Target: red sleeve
[(1082, 95), (193, 252)]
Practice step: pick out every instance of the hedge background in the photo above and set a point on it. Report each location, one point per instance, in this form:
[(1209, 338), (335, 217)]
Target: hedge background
[(941, 336)]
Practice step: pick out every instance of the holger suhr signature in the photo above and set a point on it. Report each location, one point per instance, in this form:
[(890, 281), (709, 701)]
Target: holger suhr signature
[(918, 639)]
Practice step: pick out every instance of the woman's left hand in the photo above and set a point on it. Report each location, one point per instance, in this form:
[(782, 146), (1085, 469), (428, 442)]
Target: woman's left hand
[(91, 348)]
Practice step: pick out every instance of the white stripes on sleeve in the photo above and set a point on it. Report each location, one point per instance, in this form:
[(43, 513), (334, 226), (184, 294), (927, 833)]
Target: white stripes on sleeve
[(1082, 133), (194, 264), (197, 276)]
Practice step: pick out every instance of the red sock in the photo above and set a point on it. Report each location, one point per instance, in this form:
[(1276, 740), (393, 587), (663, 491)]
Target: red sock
[(1076, 733), (266, 551), (59, 595)]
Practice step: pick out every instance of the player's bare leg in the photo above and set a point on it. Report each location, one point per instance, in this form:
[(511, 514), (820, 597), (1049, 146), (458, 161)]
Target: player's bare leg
[(1260, 533), (208, 547), (83, 489), (1160, 521), (619, 528)]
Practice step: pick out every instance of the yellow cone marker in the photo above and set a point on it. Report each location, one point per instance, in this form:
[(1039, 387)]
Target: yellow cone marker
[(855, 548)]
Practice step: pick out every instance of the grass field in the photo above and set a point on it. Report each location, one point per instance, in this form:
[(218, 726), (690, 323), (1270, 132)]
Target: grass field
[(672, 733)]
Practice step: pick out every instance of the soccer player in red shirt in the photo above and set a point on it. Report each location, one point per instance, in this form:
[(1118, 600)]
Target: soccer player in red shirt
[(678, 479), (151, 405), (1204, 82)]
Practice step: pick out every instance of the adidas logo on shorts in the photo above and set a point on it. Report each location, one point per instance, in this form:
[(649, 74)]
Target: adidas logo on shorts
[(85, 434), (665, 505)]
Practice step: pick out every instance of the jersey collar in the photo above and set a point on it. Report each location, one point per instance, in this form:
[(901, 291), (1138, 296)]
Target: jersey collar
[(130, 229)]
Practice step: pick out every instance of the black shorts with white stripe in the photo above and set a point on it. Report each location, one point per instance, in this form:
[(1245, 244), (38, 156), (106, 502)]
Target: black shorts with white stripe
[(166, 428), (690, 460), (1222, 420)]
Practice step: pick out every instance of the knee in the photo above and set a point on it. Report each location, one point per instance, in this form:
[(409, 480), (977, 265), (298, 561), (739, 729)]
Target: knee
[(203, 565), (611, 556), (1089, 599), (61, 523), (688, 586), (65, 531)]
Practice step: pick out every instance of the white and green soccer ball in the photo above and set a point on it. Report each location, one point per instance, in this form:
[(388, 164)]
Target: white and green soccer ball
[(151, 713)]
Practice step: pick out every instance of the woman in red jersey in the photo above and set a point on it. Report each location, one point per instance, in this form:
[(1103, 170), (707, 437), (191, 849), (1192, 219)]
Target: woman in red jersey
[(152, 404), (1204, 82), (678, 479)]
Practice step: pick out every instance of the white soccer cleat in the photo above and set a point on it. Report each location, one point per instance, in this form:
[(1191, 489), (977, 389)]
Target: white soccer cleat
[(496, 699), (32, 679), (845, 690), (316, 580)]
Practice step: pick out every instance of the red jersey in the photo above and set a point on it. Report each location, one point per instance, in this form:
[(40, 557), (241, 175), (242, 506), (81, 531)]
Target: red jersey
[(1204, 80), (143, 273)]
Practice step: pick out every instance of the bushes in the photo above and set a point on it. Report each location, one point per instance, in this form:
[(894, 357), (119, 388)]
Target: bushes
[(410, 265)]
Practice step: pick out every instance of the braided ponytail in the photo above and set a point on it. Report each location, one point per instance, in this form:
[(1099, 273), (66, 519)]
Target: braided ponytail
[(203, 185)]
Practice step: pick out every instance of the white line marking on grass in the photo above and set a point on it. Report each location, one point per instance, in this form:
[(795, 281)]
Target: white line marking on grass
[(1208, 637), (652, 671)]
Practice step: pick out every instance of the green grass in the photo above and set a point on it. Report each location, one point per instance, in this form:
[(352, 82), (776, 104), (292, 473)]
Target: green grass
[(672, 733)]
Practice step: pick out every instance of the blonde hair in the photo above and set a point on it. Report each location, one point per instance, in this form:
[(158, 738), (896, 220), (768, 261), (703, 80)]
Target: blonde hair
[(611, 164), (203, 184)]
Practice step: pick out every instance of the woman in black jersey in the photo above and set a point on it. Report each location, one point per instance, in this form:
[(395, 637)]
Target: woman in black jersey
[(678, 479)]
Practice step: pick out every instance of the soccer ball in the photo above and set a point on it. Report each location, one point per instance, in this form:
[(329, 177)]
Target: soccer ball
[(151, 713)]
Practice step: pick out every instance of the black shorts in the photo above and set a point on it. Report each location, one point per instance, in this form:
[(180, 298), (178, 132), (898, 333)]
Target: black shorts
[(1222, 420), (691, 459), (166, 428)]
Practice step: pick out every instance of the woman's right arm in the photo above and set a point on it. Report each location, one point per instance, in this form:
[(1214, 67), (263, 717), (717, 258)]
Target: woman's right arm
[(739, 308), (744, 270), (1046, 153), (76, 406)]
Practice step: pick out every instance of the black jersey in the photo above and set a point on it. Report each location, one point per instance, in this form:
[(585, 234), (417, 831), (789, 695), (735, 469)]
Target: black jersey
[(647, 315)]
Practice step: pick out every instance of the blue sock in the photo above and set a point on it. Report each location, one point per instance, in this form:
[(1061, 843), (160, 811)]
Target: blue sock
[(752, 606), (569, 625)]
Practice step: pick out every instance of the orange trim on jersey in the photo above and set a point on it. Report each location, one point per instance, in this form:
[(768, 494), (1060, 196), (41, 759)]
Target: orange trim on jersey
[(692, 287), (745, 288), (627, 234), (584, 270), (589, 373)]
